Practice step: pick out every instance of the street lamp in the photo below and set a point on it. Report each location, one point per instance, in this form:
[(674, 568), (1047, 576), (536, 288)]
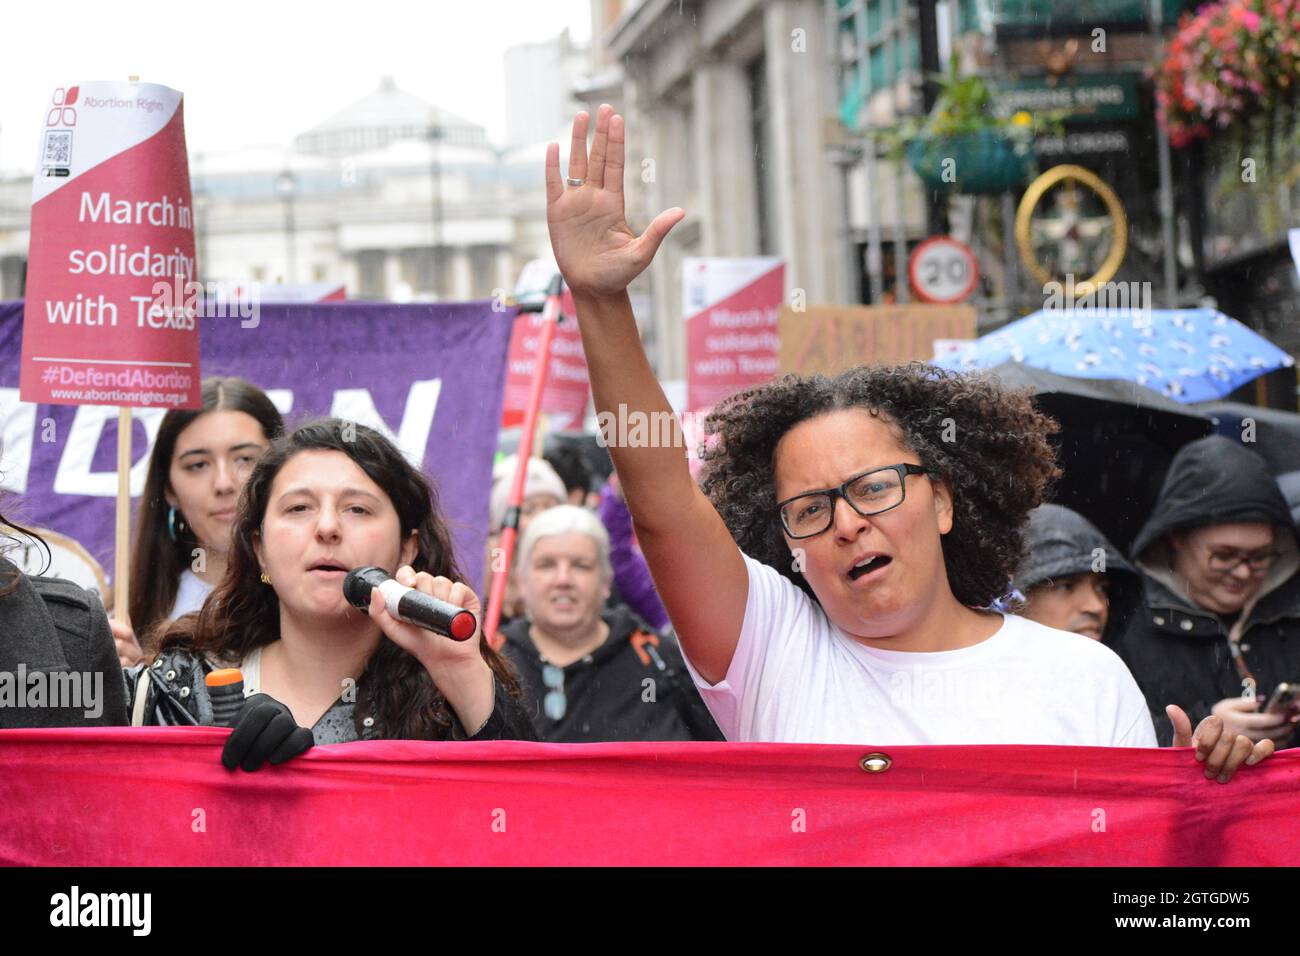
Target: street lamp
[(286, 186), (435, 134)]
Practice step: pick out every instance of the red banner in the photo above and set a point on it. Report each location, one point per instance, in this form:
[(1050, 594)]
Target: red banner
[(160, 797)]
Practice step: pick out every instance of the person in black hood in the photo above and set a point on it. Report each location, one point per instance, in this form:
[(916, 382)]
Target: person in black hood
[(1072, 578), (1219, 624)]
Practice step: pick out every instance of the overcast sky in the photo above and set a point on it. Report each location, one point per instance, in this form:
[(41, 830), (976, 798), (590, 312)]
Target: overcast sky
[(261, 72)]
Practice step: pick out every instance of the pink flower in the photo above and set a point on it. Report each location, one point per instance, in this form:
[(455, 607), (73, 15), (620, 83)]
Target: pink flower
[(1250, 20)]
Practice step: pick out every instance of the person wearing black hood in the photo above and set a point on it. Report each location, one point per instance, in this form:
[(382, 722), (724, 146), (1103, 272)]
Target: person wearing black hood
[(1072, 578), (1219, 623)]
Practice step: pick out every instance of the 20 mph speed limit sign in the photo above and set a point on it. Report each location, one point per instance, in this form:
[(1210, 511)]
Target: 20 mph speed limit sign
[(943, 271)]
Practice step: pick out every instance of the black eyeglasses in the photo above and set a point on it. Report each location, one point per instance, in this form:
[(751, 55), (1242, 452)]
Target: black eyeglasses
[(868, 494), (1227, 561)]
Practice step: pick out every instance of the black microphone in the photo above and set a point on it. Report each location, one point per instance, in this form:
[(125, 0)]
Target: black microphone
[(408, 604)]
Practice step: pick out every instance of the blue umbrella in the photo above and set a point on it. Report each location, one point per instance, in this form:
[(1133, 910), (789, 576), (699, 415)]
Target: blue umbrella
[(1190, 355)]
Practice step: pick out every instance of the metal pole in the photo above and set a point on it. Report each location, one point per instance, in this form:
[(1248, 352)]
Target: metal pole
[(289, 228), (551, 317), (435, 172), (1167, 237), (936, 206), (902, 293)]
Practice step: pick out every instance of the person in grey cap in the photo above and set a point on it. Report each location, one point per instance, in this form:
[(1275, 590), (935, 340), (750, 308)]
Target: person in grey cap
[(1071, 574)]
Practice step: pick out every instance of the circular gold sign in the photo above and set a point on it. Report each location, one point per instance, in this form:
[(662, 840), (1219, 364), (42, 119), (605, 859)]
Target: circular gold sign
[(1072, 208)]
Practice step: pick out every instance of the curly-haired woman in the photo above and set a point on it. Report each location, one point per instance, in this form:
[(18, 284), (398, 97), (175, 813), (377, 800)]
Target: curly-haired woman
[(830, 581)]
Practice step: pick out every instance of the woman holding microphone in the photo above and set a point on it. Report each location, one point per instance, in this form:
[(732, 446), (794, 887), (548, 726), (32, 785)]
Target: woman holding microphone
[(327, 498), (850, 534)]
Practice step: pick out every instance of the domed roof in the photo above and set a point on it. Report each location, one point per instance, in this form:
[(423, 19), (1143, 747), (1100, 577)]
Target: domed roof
[(382, 116)]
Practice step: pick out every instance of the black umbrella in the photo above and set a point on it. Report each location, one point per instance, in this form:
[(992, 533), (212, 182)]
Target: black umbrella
[(1272, 432), (1114, 447)]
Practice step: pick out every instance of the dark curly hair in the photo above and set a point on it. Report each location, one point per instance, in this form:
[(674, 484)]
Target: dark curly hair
[(242, 613), (997, 460)]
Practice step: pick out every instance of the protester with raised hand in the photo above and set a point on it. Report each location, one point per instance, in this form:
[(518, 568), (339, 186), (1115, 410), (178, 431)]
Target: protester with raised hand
[(327, 498), (840, 549)]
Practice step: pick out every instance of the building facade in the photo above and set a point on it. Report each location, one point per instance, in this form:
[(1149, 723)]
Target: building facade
[(727, 105)]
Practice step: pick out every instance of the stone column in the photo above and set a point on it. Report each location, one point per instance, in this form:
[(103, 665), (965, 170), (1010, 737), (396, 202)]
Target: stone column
[(663, 131), (723, 127), (807, 223), (392, 272), (504, 270), (462, 276)]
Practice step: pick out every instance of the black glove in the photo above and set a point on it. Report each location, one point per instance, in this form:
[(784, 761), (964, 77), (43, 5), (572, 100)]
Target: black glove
[(264, 730)]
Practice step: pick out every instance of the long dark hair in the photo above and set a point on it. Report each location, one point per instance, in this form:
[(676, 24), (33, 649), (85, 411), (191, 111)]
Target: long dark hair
[(7, 588), (157, 561), (243, 613)]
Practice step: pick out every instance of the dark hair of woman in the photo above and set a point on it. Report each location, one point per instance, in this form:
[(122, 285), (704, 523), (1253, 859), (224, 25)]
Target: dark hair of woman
[(8, 587), (157, 560), (990, 446), (242, 613)]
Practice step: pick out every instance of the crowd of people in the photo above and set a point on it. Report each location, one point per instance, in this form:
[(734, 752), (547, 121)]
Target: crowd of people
[(841, 570)]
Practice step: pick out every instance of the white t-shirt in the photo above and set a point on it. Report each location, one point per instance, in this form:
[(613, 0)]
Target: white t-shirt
[(190, 594), (797, 678)]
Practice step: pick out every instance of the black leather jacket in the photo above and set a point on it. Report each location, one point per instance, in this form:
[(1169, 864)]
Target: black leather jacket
[(177, 696)]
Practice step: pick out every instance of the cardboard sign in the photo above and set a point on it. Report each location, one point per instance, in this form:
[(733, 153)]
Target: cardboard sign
[(112, 296), (828, 339)]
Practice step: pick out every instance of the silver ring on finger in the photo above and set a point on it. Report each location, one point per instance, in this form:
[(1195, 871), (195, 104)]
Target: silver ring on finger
[(570, 181)]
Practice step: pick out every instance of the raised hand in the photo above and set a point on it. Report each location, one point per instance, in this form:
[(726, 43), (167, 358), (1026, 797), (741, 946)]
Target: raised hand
[(598, 254)]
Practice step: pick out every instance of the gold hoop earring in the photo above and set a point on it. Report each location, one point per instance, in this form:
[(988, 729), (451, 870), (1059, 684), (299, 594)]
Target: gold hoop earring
[(265, 579)]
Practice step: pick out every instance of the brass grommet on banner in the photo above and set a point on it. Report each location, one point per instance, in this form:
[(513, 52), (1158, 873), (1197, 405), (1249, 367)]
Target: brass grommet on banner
[(876, 763)]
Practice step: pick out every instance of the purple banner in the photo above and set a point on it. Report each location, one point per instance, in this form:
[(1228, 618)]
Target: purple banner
[(430, 376)]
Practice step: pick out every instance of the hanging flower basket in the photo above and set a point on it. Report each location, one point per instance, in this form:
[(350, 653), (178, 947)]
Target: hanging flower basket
[(1227, 62), (980, 162)]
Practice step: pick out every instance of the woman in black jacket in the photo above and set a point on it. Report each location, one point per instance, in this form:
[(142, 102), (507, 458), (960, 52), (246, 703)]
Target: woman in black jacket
[(58, 664), (1219, 624), (327, 498)]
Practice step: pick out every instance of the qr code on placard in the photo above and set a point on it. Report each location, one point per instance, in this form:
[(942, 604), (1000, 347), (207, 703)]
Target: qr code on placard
[(58, 148)]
